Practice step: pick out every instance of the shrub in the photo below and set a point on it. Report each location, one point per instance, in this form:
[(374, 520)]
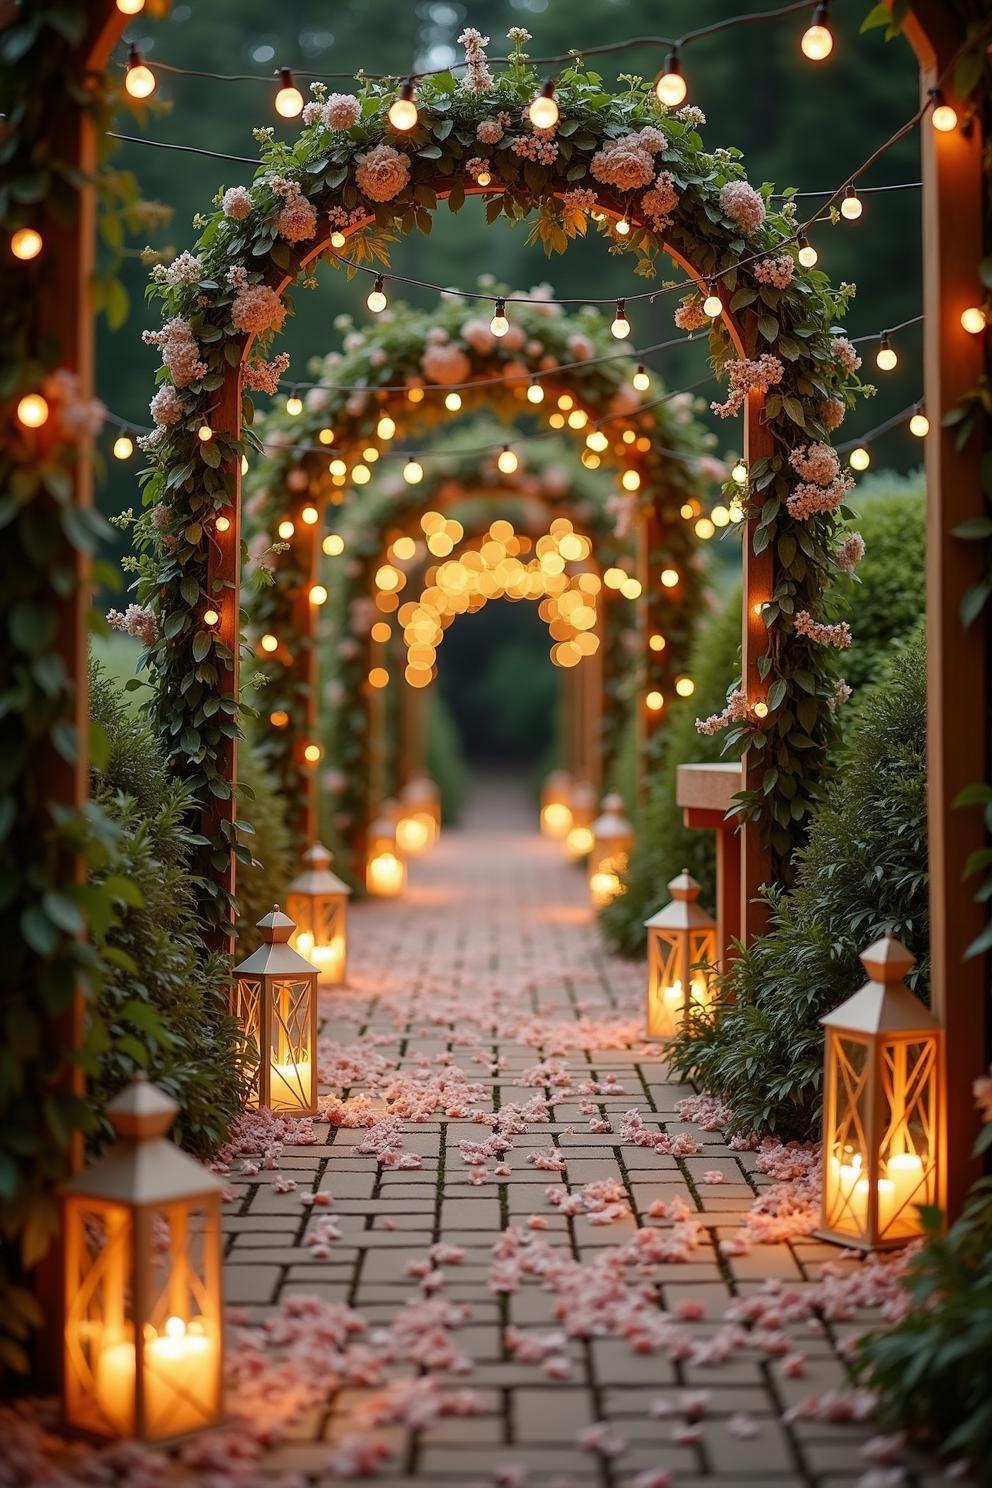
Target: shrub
[(863, 873), (887, 602), (264, 881), (163, 1004), (444, 760)]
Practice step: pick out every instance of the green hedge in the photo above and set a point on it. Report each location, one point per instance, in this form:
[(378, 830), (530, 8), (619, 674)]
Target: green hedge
[(265, 880), (444, 760), (863, 873)]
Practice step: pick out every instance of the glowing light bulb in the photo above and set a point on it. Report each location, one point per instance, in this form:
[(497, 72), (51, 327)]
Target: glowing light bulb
[(640, 380), (413, 472), (507, 461), (818, 41), (338, 240), (337, 468), (139, 80), (453, 402), (269, 643), (386, 427), (919, 424), (760, 710), (361, 474), (621, 227), (499, 325), (704, 529), (377, 297), (484, 178), (859, 459), (318, 594), (210, 617), (621, 325), (279, 718), (669, 577), (310, 515), (130, 7), (544, 110), (289, 99), (657, 642), (973, 320), (204, 433), (670, 88), (26, 243), (32, 411), (630, 480), (807, 253), (244, 464), (123, 447), (852, 206), (712, 305), (403, 110), (294, 406), (535, 393), (886, 358), (685, 686), (654, 702), (333, 544), (944, 117), (286, 529), (597, 440), (739, 473), (312, 753)]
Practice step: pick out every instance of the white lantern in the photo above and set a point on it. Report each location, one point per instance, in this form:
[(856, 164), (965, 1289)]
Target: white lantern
[(317, 900), (276, 1003), (681, 949), (613, 838)]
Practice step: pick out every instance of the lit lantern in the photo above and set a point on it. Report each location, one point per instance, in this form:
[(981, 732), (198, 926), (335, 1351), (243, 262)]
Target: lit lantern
[(419, 824), (881, 1107), (318, 902), (385, 870), (275, 1001), (578, 839), (681, 946), (613, 838), (556, 809), (143, 1307)]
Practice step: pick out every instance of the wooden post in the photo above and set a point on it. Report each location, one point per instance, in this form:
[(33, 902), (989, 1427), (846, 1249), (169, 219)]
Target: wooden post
[(651, 606), (305, 678), (705, 793)]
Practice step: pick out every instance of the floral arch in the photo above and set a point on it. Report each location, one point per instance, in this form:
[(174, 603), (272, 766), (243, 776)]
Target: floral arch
[(612, 159)]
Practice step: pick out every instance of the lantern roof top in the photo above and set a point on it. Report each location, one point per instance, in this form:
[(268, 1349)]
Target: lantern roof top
[(382, 826), (612, 822), (275, 957), (683, 913), (885, 1004), (316, 876), (420, 788), (584, 795)]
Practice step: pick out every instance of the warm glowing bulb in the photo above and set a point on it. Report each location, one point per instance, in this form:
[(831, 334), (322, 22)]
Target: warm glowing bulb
[(720, 515), (622, 227), (944, 118), (669, 577), (377, 298), (657, 642), (403, 110), (361, 474), (859, 459), (621, 325), (535, 393), (852, 206), (973, 320), (32, 411), (210, 617), (310, 515), (507, 461), (286, 529), (654, 702), (318, 594), (640, 380), (670, 89), (333, 545), (597, 440), (807, 253), (818, 42), (386, 427), (886, 359), (123, 447), (413, 472), (631, 480), (544, 108), (139, 80), (244, 464), (269, 643), (685, 686), (704, 529), (760, 710), (739, 473), (338, 468), (712, 305), (919, 424), (26, 243), (289, 99), (631, 588), (279, 718), (294, 406), (499, 325), (453, 402), (338, 240), (325, 436), (130, 7), (312, 753), (204, 433)]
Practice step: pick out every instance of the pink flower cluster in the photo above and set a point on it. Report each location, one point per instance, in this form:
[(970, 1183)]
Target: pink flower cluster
[(478, 166), (341, 111), (850, 552), (832, 412), (297, 219), (78, 417), (580, 199), (690, 315), (186, 269), (625, 162), (743, 205), (477, 77), (263, 377), (536, 147), (180, 350), (382, 172), (736, 711), (815, 462), (236, 203), (845, 354), (256, 308), (660, 202), (445, 365), (748, 375), (490, 131), (166, 407), (137, 621), (838, 635), (778, 272)]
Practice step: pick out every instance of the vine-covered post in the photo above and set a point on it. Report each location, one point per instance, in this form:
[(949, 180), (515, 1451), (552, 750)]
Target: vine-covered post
[(305, 678), (650, 701)]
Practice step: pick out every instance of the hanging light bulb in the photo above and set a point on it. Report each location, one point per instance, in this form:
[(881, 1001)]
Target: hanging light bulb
[(973, 320), (852, 206), (310, 516), (640, 380), (286, 529), (630, 480), (452, 402), (944, 116), (403, 110), (210, 617), (621, 227), (204, 433), (507, 461), (386, 427), (597, 440), (269, 643), (544, 111), (413, 472), (377, 296), (499, 325), (886, 358), (338, 239), (818, 41), (712, 305), (919, 424), (130, 7), (484, 178), (26, 243), (670, 88), (535, 393), (333, 545), (807, 253), (223, 524), (739, 473), (123, 447), (32, 411), (139, 80), (289, 99), (317, 594), (294, 405), (859, 459), (621, 325)]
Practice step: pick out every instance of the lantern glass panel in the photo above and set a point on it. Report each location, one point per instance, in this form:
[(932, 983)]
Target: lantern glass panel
[(248, 1011), (673, 965), (320, 932), (291, 1058), (909, 1145)]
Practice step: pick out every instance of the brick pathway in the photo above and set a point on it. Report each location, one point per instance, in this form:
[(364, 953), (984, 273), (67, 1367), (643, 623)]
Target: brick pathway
[(489, 966)]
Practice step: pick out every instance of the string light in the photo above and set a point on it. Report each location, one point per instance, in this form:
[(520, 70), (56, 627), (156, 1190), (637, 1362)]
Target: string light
[(310, 515), (852, 206), (286, 529), (377, 296), (361, 474), (669, 577), (535, 393), (386, 427), (139, 80), (130, 7), (338, 469), (640, 380), (223, 524), (499, 325), (919, 424), (807, 253), (944, 116), (333, 545), (294, 405), (622, 227), (886, 359), (630, 480), (413, 472), (403, 109), (818, 41), (704, 529), (338, 239), (312, 753), (507, 461), (657, 642), (325, 436), (289, 99), (712, 305), (123, 447), (453, 402), (597, 440), (269, 643), (279, 718), (317, 594), (760, 710), (210, 617), (544, 112), (859, 458), (621, 325), (26, 243), (244, 465), (973, 320), (204, 433), (685, 686), (654, 702), (32, 411), (739, 473), (670, 88)]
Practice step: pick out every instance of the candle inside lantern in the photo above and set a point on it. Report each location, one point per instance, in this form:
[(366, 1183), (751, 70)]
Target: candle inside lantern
[(289, 1085), (556, 819), (413, 834), (851, 1196), (327, 956), (386, 874), (180, 1378), (604, 886), (905, 1170)]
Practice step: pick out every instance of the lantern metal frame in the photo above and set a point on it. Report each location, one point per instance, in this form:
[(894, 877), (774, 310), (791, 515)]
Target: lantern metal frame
[(275, 1001), (382, 843), (317, 901), (556, 796), (609, 857), (584, 804), (681, 937)]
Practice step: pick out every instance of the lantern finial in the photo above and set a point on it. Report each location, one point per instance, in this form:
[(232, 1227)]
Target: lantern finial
[(317, 856), (684, 887), (276, 927), (141, 1110), (887, 960)]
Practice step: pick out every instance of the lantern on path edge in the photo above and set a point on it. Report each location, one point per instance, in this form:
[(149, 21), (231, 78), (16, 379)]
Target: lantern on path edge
[(143, 1336), (275, 1001), (556, 809), (578, 839), (613, 838), (419, 823), (385, 869), (317, 901), (681, 948), (881, 1107)]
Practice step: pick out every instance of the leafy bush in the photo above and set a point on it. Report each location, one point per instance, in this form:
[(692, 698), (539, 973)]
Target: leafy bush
[(444, 760), (265, 880), (933, 1370), (163, 1005), (863, 873), (887, 602)]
